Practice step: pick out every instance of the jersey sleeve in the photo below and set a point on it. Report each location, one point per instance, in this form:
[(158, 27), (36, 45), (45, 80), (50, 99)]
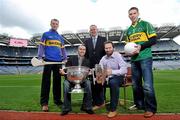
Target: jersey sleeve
[(150, 30)]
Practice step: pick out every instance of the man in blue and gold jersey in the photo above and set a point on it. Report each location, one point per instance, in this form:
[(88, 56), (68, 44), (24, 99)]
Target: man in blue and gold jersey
[(143, 34), (51, 49)]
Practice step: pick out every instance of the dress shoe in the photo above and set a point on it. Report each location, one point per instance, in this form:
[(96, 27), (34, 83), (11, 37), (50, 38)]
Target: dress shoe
[(148, 114), (112, 114), (90, 111), (58, 103), (98, 107), (64, 113), (45, 108)]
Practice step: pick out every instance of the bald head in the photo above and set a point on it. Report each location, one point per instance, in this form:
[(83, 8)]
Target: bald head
[(81, 50)]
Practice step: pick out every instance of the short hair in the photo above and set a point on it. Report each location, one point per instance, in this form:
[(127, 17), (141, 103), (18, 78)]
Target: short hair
[(133, 8), (93, 25), (109, 42), (54, 19), (81, 45)]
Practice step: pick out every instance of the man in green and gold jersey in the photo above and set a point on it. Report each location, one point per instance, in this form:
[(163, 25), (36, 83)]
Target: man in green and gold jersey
[(143, 34)]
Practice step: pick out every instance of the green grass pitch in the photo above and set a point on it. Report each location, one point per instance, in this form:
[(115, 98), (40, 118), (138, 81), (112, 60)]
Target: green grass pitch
[(22, 93)]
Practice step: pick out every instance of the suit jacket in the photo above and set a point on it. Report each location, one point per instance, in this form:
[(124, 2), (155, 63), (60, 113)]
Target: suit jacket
[(73, 61), (95, 55)]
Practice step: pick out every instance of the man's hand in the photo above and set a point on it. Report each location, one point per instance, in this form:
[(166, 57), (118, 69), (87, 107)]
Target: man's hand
[(138, 48), (90, 72), (65, 61), (108, 71), (61, 71), (41, 59)]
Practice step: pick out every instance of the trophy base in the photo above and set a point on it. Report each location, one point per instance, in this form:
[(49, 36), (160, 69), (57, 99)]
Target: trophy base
[(77, 91)]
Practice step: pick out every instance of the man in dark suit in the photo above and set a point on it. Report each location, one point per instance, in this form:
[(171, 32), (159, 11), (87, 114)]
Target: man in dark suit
[(94, 52), (78, 60)]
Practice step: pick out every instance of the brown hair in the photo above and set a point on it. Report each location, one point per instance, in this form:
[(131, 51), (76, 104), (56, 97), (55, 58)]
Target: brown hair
[(133, 8), (54, 19), (109, 42), (93, 25)]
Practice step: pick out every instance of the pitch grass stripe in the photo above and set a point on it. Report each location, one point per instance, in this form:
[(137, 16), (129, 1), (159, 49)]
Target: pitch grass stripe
[(19, 86)]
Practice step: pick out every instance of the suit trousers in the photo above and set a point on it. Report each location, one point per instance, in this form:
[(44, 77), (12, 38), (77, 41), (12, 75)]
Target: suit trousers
[(87, 99)]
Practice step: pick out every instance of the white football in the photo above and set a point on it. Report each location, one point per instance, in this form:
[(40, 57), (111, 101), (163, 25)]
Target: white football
[(130, 47)]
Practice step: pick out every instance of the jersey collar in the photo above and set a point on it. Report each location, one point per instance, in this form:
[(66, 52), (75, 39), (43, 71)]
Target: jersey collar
[(139, 19)]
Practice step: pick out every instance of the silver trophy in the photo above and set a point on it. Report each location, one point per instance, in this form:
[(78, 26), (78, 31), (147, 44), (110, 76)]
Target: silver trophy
[(77, 74), (99, 74)]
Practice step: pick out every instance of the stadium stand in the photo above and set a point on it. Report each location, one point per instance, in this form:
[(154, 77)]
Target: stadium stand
[(16, 60)]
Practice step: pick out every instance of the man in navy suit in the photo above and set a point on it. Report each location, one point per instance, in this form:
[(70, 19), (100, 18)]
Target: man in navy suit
[(94, 52), (78, 60)]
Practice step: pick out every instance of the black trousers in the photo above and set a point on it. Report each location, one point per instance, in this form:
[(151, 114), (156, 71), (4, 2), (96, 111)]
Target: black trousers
[(46, 83), (98, 92)]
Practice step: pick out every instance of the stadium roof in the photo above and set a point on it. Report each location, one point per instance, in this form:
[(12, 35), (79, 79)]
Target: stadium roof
[(168, 31), (116, 35)]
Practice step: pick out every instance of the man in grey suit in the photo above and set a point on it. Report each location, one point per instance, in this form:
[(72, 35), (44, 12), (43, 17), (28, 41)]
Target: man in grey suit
[(94, 52)]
